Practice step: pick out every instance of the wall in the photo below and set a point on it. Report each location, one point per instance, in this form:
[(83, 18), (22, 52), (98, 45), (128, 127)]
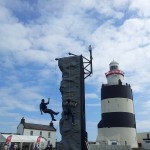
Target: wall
[(144, 139), (20, 129), (117, 104), (129, 135), (52, 138)]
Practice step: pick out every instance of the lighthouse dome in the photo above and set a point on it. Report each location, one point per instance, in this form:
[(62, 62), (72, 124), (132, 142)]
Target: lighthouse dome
[(113, 63)]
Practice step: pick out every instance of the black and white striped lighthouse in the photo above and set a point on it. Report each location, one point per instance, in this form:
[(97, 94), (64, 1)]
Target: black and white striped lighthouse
[(117, 125)]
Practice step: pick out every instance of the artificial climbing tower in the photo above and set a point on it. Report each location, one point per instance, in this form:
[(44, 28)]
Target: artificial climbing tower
[(72, 124)]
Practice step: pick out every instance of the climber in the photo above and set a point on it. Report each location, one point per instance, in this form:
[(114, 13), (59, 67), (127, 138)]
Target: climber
[(43, 108)]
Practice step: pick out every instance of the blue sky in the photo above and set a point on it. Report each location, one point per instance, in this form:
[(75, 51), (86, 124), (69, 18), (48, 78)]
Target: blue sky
[(35, 32)]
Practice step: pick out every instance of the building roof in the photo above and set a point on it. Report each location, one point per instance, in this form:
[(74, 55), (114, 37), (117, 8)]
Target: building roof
[(33, 126), (38, 127), (113, 63)]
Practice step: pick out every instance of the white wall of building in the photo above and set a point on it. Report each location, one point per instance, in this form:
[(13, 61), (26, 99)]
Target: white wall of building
[(123, 136), (142, 139), (20, 129), (45, 134), (117, 105), (50, 136)]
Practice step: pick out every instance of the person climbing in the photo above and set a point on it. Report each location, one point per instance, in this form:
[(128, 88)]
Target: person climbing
[(43, 108), (68, 105)]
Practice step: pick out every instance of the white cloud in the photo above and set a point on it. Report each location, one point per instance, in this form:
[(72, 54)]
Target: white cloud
[(93, 105), (7, 112), (143, 125), (146, 105), (91, 96), (140, 7), (14, 36)]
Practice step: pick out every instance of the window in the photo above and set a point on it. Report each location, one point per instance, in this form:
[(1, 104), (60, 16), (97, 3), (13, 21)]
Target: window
[(31, 132), (114, 143), (40, 133), (48, 142), (49, 134), (113, 67), (139, 144)]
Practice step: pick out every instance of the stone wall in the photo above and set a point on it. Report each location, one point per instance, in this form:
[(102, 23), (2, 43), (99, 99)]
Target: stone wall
[(109, 147)]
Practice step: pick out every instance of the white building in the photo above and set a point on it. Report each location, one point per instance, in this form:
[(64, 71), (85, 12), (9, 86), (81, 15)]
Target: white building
[(144, 140), (46, 131)]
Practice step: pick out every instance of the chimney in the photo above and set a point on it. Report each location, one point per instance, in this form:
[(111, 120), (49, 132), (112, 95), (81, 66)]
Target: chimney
[(22, 120), (51, 124)]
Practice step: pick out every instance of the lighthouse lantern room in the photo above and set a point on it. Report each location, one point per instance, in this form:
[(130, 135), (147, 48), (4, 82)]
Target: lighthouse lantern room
[(114, 75)]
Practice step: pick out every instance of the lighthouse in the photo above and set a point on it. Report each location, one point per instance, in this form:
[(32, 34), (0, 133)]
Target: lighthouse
[(117, 125)]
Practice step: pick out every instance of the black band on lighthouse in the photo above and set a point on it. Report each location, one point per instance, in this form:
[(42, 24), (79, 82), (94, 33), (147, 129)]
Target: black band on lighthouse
[(115, 91), (117, 119)]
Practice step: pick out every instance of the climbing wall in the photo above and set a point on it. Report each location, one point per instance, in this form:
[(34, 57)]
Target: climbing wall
[(72, 88)]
